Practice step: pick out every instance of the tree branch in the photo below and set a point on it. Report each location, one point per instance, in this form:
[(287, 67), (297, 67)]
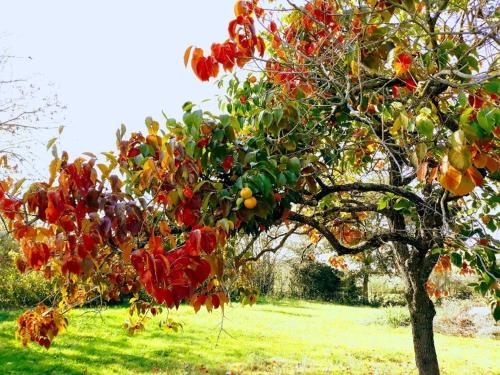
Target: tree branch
[(371, 243), (370, 187)]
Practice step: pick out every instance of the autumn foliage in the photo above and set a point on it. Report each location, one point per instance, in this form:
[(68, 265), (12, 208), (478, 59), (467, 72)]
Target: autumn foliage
[(355, 129)]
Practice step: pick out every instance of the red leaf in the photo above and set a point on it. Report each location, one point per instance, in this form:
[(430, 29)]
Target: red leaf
[(273, 27), (225, 54), (133, 152), (72, 265), (475, 101), (55, 206), (204, 67), (227, 164), (402, 63), (188, 193), (410, 83)]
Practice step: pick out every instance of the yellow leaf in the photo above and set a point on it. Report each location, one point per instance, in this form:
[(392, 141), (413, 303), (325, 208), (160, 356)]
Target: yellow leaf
[(460, 158), (104, 170), (53, 168)]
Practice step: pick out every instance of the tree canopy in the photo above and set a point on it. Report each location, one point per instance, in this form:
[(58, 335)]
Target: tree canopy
[(352, 111)]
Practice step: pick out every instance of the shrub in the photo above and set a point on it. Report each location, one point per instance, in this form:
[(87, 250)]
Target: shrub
[(318, 281), (397, 317), (388, 300), (18, 290)]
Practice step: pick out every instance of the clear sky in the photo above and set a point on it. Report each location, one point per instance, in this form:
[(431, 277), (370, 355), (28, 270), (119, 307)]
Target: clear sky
[(113, 61)]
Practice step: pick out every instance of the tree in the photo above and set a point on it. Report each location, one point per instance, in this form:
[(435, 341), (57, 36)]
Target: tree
[(23, 109), (377, 108)]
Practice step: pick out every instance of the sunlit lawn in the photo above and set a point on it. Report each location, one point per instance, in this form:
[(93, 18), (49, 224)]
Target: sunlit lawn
[(281, 338)]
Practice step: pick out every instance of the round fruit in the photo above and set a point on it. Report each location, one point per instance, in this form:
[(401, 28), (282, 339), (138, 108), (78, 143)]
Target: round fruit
[(250, 203), (246, 193)]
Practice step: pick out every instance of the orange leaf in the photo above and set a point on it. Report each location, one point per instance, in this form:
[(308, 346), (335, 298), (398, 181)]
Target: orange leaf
[(197, 55), (187, 54), (422, 171), (465, 187), (450, 178), (243, 8), (432, 175), (475, 176), (164, 228), (480, 160), (126, 249), (492, 164)]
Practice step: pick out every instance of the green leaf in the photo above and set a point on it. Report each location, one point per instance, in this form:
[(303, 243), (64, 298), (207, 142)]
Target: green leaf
[(437, 250), (186, 107), (281, 179), (464, 117), (51, 142), (293, 165), (473, 63), (462, 99), (382, 203), (277, 114), (193, 119), (456, 259), (425, 126), (250, 157), (402, 204), (447, 45), (265, 119), (493, 86), (486, 120), (267, 187)]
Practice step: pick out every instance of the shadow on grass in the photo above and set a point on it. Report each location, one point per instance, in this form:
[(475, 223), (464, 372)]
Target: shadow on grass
[(77, 353), (84, 354), (6, 315), (303, 315), (283, 303)]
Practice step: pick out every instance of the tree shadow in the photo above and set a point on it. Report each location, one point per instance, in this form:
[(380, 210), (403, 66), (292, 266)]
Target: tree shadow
[(287, 313)]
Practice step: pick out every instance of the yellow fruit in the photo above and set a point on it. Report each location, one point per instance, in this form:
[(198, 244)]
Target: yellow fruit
[(250, 203), (246, 193)]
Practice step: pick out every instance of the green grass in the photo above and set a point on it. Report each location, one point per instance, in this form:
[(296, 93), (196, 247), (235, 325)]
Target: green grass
[(279, 338)]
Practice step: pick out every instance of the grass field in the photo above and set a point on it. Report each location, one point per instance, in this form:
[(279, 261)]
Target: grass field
[(279, 338)]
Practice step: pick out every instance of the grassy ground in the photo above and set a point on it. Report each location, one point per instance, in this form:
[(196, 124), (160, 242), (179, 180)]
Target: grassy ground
[(279, 338)]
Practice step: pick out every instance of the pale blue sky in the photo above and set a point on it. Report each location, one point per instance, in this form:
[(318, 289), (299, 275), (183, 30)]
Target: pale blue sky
[(113, 61)]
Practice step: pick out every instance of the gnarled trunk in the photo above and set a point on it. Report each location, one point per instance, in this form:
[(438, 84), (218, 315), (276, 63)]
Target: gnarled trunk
[(422, 314), (415, 269)]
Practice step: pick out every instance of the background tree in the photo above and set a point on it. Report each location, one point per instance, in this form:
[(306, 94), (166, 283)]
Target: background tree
[(24, 108), (376, 108)]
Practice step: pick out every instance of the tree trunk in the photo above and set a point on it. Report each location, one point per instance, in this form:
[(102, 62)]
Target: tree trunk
[(422, 313), (365, 287)]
